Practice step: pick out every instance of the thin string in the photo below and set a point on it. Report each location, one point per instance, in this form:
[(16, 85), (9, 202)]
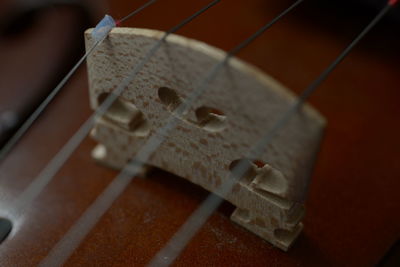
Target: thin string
[(182, 237), (137, 11), (39, 110), (33, 117), (46, 175), (64, 248), (103, 202)]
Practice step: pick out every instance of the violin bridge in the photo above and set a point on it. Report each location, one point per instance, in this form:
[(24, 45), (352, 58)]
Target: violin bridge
[(239, 106)]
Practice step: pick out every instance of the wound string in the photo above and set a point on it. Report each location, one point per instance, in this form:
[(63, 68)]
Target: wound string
[(46, 175), (93, 213), (34, 116), (63, 249), (196, 220)]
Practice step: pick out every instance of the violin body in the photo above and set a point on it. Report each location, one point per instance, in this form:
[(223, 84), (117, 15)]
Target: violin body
[(352, 206), (48, 39)]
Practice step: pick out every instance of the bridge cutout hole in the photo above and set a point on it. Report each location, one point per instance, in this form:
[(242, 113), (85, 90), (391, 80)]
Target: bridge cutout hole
[(126, 115), (263, 177), (169, 98), (210, 119), (250, 166), (271, 180)]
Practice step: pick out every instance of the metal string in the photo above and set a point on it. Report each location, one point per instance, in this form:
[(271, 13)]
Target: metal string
[(102, 203), (45, 176), (40, 182), (149, 3), (63, 249), (34, 116), (182, 237)]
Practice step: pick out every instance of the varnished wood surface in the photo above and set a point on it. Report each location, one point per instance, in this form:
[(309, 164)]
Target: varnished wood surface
[(36, 47), (352, 210)]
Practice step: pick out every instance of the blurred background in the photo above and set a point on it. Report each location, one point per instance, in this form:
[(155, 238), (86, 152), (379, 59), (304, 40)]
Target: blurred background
[(354, 201)]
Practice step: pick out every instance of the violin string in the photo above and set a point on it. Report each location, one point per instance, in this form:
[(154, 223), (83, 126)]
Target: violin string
[(134, 13), (39, 110), (95, 211), (45, 176), (196, 220), (63, 249), (40, 182), (33, 117)]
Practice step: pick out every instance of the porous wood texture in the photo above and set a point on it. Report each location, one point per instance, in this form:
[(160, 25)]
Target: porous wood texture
[(237, 109)]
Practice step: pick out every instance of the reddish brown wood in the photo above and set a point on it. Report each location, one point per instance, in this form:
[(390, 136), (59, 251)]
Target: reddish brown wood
[(352, 210), (35, 51)]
